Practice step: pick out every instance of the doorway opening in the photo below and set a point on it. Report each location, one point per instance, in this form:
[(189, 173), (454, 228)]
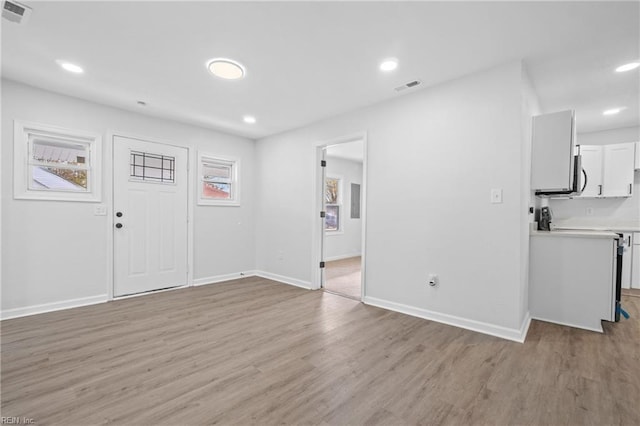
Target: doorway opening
[(342, 239)]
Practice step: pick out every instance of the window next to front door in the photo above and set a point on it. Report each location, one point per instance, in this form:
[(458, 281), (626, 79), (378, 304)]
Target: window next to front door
[(218, 180), (52, 163)]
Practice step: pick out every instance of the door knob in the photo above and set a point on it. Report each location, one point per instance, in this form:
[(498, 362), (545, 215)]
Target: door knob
[(118, 225), (119, 214)]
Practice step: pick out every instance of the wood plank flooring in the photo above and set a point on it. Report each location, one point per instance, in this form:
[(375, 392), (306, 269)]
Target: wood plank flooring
[(254, 351), (635, 292), (343, 276)]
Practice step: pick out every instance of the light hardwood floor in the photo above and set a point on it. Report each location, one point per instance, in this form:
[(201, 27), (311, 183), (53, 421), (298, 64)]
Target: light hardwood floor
[(343, 276), (635, 292), (253, 351)]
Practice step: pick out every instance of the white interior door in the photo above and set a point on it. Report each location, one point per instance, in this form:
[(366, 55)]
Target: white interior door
[(150, 216), (323, 208)]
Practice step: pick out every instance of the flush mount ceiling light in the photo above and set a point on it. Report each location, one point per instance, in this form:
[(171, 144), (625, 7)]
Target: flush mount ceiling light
[(249, 119), (612, 111), (68, 66), (226, 68), (389, 64), (628, 67)]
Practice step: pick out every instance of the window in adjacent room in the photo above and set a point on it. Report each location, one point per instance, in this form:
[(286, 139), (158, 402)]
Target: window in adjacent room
[(218, 181), (332, 198), (52, 163)]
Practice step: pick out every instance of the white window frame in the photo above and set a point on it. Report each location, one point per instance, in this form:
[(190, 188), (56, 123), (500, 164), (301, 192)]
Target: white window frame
[(22, 148), (234, 201), (339, 204)]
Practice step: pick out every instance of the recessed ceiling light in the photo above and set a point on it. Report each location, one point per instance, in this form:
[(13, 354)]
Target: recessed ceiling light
[(389, 64), (68, 66), (249, 119), (612, 111), (226, 68), (628, 67)]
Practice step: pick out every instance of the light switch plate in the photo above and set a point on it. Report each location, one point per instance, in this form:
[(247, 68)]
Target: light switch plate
[(100, 210), (496, 196)]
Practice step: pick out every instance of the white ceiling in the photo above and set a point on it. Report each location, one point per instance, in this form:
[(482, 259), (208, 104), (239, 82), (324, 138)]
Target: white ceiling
[(309, 61)]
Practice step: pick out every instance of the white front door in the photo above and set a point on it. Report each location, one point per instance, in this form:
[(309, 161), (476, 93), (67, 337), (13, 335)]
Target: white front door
[(150, 216)]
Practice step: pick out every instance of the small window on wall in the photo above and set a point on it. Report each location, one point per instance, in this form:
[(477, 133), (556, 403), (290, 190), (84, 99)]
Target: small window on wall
[(332, 222), (332, 199), (52, 163), (218, 181)]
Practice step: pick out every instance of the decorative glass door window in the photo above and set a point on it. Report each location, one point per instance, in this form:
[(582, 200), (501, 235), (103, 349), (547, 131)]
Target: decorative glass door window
[(332, 199), (218, 181), (152, 167)]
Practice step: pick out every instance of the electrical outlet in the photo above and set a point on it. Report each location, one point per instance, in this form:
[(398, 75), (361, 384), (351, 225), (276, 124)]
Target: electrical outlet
[(433, 280), (589, 211), (280, 255)]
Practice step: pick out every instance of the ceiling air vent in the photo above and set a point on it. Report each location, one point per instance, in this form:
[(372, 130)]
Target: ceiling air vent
[(15, 12), (409, 85)]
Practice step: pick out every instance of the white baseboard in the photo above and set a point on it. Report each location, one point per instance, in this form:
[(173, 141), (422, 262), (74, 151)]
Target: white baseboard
[(517, 335), (268, 275), (50, 307), (286, 280), (524, 328), (597, 327), (342, 256), (221, 278)]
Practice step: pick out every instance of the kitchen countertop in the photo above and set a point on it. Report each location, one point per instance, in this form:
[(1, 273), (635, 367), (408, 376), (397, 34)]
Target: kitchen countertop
[(599, 228), (574, 234), (616, 226)]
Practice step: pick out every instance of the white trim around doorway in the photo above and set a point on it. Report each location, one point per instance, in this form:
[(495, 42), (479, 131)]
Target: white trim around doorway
[(316, 237)]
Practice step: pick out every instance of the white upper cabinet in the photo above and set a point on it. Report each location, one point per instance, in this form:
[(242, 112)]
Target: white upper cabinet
[(617, 177), (637, 155), (609, 170), (592, 165)]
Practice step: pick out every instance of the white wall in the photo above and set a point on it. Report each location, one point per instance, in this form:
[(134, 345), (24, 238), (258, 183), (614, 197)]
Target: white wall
[(530, 108), (433, 158), (607, 137), (619, 212), (56, 252), (348, 242)]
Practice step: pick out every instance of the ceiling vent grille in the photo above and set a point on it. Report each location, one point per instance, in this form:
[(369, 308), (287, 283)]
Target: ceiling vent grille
[(408, 85), (15, 12)]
